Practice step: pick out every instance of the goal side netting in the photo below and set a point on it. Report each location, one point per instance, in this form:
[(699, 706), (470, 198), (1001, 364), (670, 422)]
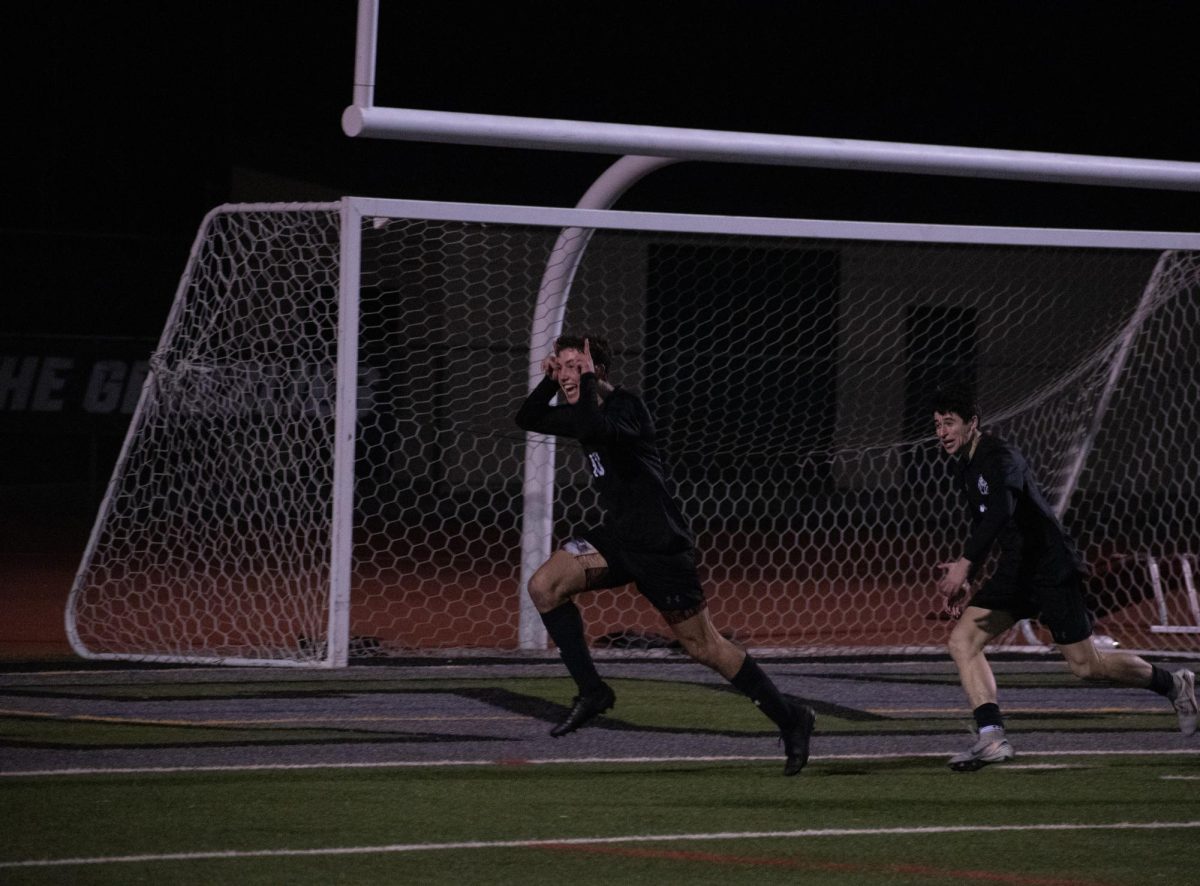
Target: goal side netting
[(256, 516)]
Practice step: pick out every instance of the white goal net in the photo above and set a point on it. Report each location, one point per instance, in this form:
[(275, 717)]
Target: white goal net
[(324, 462)]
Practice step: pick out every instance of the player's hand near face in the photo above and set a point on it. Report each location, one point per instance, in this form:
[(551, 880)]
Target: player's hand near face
[(585, 363), (550, 366)]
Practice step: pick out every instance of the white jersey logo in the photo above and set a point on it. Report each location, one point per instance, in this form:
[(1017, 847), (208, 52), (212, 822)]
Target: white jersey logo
[(597, 465), (983, 487)]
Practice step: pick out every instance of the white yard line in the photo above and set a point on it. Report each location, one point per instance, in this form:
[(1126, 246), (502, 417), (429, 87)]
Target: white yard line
[(598, 841), (547, 761)]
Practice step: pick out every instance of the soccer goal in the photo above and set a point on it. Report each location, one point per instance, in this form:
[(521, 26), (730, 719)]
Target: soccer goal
[(324, 464)]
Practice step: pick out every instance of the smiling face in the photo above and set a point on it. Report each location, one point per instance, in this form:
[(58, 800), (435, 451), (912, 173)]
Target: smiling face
[(953, 432), (568, 372)]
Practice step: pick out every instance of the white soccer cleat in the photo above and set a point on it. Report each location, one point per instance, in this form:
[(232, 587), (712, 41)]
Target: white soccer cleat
[(1185, 701), (990, 748)]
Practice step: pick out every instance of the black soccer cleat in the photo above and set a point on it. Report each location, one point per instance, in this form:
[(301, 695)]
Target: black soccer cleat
[(796, 737), (584, 709)]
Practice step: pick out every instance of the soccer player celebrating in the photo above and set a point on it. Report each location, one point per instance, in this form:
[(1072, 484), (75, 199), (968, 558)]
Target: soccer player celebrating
[(1038, 574), (643, 538)]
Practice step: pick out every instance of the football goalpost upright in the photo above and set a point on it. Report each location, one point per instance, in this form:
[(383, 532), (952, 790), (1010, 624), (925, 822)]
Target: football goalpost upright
[(324, 464)]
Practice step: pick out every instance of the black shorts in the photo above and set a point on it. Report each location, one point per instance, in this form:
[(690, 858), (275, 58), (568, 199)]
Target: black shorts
[(1059, 605), (670, 581)]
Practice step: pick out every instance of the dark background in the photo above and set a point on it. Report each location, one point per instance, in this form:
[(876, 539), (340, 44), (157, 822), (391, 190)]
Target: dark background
[(128, 121)]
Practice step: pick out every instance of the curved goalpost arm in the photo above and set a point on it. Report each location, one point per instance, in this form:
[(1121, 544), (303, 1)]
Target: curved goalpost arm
[(537, 515)]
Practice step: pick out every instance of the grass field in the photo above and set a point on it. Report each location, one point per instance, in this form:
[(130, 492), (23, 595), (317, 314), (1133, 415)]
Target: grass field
[(389, 777)]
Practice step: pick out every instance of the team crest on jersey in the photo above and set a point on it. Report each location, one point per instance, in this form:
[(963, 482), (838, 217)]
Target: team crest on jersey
[(597, 465), (983, 487)]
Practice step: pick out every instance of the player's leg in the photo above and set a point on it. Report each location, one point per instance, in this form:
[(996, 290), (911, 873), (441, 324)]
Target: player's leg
[(1126, 669), (575, 568), (1064, 611), (970, 636), (703, 642), (975, 629), (559, 579)]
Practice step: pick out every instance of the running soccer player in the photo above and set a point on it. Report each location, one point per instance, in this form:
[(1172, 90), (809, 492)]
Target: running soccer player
[(1038, 574), (643, 538)]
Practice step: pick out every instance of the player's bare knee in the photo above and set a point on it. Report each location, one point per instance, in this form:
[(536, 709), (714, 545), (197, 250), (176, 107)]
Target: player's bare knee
[(711, 650), (1092, 670), (546, 590), (696, 647), (700, 649), (1087, 663), (696, 641), (1083, 670), (961, 647)]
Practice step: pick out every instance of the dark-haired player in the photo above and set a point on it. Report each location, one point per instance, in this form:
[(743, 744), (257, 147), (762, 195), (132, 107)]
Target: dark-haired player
[(1038, 574), (643, 538)]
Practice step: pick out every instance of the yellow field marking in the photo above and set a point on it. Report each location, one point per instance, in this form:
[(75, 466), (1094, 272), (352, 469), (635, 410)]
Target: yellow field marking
[(145, 721), (956, 711)]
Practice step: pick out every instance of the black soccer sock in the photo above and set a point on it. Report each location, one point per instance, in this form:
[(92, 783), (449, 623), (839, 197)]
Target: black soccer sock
[(1161, 681), (564, 624), (753, 682), (988, 715)]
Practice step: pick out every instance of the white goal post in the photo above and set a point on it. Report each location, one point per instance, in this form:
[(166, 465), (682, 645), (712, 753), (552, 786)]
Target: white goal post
[(323, 463)]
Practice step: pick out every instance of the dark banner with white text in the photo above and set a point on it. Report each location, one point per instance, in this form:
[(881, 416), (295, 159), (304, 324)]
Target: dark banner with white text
[(65, 403)]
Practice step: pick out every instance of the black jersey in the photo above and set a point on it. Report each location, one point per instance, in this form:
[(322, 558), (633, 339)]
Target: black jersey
[(1006, 506), (618, 439)]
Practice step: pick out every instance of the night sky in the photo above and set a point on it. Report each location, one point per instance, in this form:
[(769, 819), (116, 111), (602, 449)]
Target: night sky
[(129, 120)]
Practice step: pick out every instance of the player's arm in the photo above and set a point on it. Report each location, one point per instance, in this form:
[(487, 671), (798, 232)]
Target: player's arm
[(957, 575), (537, 415), (1001, 505)]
